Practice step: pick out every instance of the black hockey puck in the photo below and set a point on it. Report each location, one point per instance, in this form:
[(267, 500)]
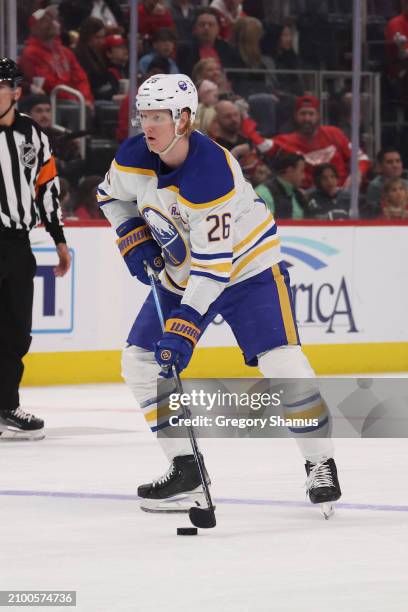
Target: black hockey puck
[(187, 531)]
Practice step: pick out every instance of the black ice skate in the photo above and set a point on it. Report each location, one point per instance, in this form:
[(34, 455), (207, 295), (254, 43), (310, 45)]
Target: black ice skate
[(178, 490), (19, 425), (322, 485)]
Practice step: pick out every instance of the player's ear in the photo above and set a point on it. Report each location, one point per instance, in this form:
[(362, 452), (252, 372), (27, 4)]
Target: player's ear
[(184, 124), (17, 93)]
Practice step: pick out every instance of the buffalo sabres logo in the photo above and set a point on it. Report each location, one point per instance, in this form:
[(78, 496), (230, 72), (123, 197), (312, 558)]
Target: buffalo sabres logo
[(28, 156), (182, 85), (167, 235)]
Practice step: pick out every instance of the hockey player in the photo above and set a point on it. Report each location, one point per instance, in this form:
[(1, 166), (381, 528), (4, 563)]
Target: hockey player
[(179, 201)]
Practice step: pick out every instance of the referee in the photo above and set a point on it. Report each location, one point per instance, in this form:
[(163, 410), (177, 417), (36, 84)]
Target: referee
[(29, 194)]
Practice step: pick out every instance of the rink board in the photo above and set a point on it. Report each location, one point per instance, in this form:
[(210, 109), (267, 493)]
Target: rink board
[(349, 285)]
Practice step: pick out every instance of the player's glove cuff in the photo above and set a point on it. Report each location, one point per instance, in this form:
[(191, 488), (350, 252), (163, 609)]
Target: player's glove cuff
[(181, 334), (138, 246), (185, 322), (132, 233)]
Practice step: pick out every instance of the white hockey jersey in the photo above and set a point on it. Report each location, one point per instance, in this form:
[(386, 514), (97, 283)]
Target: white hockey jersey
[(213, 229)]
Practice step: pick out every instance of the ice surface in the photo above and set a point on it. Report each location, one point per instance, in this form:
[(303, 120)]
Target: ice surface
[(70, 520)]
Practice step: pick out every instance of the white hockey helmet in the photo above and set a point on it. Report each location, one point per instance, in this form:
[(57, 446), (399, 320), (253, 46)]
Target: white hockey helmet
[(173, 92)]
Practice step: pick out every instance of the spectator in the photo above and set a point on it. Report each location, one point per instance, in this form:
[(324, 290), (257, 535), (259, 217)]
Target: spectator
[(261, 174), (89, 52), (73, 12), (395, 199), (24, 11), (205, 44), (246, 40), (328, 201), (229, 126), (158, 66), (318, 144), (208, 93), (64, 146), (164, 45), (183, 12), (110, 12), (278, 47), (229, 11), (209, 69), (153, 15), (282, 193), (206, 121), (340, 113), (87, 208), (229, 135), (249, 127), (38, 107), (389, 166), (396, 39), (117, 57), (254, 8), (45, 56), (206, 116)]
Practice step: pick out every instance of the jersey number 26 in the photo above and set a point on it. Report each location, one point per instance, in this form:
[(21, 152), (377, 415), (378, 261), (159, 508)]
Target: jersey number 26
[(220, 227)]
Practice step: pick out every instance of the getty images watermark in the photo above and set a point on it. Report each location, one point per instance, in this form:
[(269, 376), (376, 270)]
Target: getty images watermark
[(220, 400), (268, 408)]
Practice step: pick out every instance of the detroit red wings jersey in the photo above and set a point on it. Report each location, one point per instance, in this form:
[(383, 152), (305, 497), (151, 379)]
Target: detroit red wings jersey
[(329, 145)]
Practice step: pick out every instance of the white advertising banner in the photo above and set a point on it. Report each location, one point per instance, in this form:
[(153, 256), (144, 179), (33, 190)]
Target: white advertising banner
[(349, 285)]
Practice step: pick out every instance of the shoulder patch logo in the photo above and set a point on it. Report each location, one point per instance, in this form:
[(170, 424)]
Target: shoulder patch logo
[(174, 211), (28, 155), (160, 225), (167, 235)]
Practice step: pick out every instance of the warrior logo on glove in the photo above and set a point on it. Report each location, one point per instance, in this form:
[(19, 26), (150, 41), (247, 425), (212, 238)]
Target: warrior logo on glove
[(138, 247), (181, 334)]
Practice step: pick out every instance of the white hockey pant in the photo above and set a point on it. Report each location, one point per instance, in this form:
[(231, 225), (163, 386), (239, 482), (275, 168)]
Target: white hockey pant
[(141, 371), (301, 398)]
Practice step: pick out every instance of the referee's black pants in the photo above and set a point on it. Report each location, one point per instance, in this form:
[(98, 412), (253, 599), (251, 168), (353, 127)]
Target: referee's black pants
[(17, 270)]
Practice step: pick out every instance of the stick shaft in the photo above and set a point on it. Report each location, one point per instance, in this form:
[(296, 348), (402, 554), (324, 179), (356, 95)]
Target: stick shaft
[(179, 388)]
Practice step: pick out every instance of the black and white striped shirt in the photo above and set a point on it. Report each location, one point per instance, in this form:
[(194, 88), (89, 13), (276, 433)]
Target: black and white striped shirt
[(29, 184)]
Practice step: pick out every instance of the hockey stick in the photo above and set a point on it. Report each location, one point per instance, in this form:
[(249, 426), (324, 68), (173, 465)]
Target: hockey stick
[(200, 517)]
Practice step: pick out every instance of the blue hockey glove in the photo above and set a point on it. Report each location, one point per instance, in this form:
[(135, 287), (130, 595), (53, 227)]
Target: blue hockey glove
[(137, 245), (181, 334)]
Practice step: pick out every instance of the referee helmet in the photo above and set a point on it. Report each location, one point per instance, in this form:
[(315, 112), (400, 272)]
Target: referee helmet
[(9, 71)]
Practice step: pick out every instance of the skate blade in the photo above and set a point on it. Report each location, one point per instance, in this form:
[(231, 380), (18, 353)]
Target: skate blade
[(327, 509), (9, 434), (174, 505)]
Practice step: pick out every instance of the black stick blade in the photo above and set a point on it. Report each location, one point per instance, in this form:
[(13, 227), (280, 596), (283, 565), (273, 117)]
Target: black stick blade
[(202, 517)]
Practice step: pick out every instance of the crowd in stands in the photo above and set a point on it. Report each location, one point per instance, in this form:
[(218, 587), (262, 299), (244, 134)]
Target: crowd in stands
[(237, 53)]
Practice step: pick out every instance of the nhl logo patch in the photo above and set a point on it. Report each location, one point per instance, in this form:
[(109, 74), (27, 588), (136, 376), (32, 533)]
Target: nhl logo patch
[(28, 156)]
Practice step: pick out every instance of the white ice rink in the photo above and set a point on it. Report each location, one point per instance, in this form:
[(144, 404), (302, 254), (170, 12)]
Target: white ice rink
[(69, 519)]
